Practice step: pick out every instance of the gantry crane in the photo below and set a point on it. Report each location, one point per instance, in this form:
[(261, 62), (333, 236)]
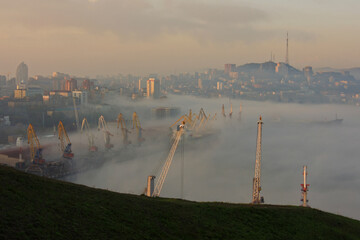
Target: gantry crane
[(64, 139), (35, 148), (102, 125), (159, 184), (256, 199), (137, 125), (124, 130), (91, 138)]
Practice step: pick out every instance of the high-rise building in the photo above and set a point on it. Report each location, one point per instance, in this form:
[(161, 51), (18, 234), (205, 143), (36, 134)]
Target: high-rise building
[(86, 84), (139, 85), (153, 88), (200, 86), (229, 68), (71, 85), (22, 73)]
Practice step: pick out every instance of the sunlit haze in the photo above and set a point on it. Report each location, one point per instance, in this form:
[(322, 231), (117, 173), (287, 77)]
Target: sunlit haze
[(90, 37)]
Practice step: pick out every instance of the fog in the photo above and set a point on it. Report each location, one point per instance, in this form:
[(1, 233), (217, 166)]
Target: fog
[(221, 167)]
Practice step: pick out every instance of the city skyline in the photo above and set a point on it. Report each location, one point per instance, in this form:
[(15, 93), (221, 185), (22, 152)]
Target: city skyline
[(84, 37)]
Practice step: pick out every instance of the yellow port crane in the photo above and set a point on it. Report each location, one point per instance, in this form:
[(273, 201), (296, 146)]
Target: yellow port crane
[(137, 125), (64, 139), (35, 147), (102, 125), (91, 138), (124, 130), (188, 119)]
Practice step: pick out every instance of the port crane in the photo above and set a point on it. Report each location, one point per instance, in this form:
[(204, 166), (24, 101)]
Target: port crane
[(76, 114), (102, 125), (231, 111), (64, 139), (137, 125), (159, 184), (304, 188), (188, 119), (35, 147), (121, 121), (223, 111), (256, 199), (91, 138)]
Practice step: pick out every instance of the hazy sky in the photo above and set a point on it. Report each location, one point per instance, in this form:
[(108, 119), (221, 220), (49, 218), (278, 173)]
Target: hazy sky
[(89, 37)]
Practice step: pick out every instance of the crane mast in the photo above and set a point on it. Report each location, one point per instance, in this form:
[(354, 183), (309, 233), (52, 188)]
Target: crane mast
[(35, 147), (165, 168), (256, 199), (304, 188), (64, 139)]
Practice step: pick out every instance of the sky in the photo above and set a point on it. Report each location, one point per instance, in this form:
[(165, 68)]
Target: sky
[(90, 37)]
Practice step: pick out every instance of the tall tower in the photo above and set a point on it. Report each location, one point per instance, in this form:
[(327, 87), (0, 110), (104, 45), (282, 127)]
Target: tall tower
[(287, 49), (153, 88), (304, 188), (256, 199)]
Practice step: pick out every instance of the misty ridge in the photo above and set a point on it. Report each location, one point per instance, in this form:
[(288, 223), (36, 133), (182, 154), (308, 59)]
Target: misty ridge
[(221, 167)]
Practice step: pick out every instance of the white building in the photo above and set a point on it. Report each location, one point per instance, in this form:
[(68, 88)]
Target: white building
[(153, 88), (81, 97)]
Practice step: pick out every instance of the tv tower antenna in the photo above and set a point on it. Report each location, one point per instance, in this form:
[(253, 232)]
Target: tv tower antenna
[(256, 199), (287, 49), (304, 188)]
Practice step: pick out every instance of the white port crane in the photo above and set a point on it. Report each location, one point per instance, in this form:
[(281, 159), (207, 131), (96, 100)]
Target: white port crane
[(256, 199), (305, 188), (165, 168), (103, 126), (91, 138)]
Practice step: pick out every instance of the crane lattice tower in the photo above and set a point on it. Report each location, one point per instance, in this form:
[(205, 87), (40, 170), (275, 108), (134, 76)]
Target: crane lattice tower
[(304, 188), (256, 181)]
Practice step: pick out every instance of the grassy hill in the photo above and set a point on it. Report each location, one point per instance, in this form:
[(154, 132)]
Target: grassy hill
[(32, 207)]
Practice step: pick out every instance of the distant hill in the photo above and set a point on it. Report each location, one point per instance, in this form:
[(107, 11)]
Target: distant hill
[(268, 67), (355, 72), (33, 207)]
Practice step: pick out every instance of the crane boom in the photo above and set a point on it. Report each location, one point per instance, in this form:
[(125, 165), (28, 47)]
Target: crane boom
[(91, 138), (103, 126), (64, 138), (165, 169), (35, 147), (121, 121), (137, 125)]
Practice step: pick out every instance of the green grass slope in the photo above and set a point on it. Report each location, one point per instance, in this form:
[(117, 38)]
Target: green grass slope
[(32, 207)]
